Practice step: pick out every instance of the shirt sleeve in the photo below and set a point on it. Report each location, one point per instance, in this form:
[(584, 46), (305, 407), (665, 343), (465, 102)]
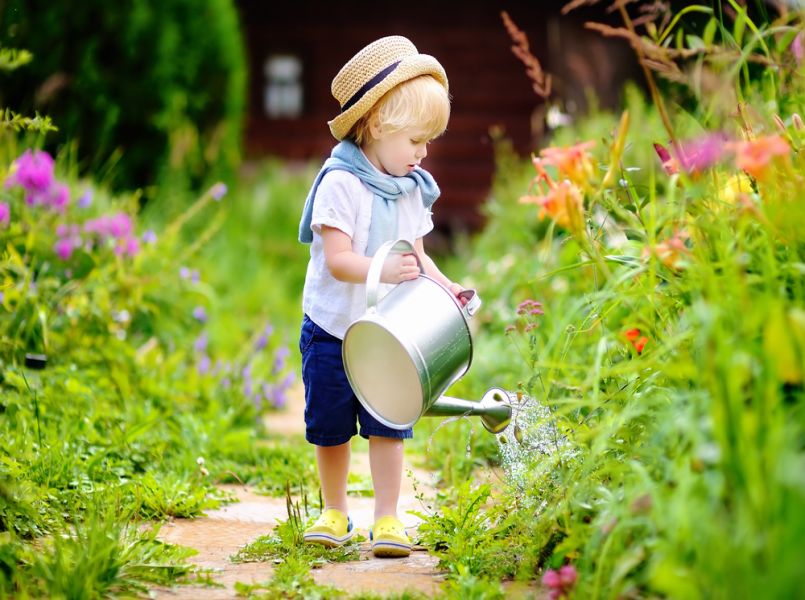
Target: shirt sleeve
[(336, 204), (426, 223)]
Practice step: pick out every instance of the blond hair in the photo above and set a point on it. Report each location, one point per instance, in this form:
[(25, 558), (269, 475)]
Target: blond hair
[(419, 103)]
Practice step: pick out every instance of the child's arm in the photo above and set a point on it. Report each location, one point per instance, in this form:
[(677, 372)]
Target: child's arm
[(433, 271), (346, 265)]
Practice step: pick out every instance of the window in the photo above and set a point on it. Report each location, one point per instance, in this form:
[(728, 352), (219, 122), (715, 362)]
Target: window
[(282, 94)]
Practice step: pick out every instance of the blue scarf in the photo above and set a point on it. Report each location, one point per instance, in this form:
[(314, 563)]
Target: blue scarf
[(346, 156)]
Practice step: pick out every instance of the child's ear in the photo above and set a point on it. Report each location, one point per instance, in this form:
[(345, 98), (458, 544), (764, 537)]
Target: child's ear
[(375, 128)]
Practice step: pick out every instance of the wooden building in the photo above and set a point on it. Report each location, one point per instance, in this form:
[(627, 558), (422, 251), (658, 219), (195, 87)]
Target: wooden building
[(296, 48)]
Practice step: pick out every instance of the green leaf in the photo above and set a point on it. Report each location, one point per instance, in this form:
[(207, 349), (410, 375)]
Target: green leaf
[(738, 29), (710, 32), (779, 347), (694, 42)]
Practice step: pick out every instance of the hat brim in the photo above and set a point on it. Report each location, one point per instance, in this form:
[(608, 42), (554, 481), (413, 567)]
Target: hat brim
[(409, 67)]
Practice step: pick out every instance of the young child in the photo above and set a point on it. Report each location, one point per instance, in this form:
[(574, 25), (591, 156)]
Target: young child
[(394, 101)]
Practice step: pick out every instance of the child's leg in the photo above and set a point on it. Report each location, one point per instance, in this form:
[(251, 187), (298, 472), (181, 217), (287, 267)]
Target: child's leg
[(333, 463), (386, 462)]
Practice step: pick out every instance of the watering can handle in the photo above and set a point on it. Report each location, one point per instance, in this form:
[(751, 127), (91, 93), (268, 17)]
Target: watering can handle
[(376, 267)]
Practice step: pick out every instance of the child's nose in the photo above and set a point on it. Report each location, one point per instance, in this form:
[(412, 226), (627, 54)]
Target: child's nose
[(422, 152)]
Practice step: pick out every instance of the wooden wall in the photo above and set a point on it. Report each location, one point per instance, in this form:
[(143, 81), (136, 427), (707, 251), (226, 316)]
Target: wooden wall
[(488, 84)]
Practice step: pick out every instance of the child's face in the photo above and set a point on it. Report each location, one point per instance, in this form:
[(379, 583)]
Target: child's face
[(396, 153)]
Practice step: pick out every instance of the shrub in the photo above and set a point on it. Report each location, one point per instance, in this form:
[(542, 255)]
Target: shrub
[(154, 89)]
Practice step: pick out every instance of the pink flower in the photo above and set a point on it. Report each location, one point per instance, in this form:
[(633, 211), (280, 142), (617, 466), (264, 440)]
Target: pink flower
[(58, 197), (120, 225), (132, 245), (702, 153), (560, 582), (798, 48), (551, 579), (568, 576), (64, 248), (693, 156), (5, 213), (33, 171)]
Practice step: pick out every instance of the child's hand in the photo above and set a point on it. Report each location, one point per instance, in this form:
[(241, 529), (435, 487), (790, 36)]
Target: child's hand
[(399, 268), (456, 289)]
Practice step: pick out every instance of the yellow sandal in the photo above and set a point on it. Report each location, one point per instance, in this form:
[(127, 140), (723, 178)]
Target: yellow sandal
[(389, 538), (333, 528)]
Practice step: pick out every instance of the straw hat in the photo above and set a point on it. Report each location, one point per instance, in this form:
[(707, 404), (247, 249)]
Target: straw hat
[(374, 71)]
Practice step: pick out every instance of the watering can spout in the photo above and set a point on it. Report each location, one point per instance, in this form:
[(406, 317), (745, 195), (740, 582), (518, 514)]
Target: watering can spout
[(494, 409)]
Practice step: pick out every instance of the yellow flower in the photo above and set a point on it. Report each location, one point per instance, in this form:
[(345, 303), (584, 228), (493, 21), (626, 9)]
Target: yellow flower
[(736, 186)]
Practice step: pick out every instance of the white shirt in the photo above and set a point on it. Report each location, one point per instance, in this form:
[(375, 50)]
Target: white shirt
[(343, 202)]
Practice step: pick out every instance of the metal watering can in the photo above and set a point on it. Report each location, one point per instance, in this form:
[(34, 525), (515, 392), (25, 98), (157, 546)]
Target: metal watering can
[(410, 346)]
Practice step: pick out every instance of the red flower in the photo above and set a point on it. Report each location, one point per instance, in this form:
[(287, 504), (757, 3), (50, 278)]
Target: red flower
[(638, 341), (632, 334)]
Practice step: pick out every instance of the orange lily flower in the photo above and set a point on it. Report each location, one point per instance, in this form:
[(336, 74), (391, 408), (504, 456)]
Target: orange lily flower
[(755, 155), (573, 162), (671, 251), (563, 203)]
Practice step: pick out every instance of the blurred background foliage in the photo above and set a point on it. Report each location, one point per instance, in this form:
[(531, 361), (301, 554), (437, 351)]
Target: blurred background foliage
[(144, 93)]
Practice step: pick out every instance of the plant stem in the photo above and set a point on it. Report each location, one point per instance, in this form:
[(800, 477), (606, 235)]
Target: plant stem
[(655, 94)]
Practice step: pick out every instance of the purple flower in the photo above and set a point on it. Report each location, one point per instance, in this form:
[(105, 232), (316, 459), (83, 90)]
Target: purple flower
[(279, 400), (218, 191), (59, 197), (226, 383), (64, 248), (261, 343), (279, 359), (289, 379), (2, 297), (5, 213), (203, 365), (200, 345), (149, 237), (246, 373), (33, 171), (86, 199), (199, 314), (184, 272)]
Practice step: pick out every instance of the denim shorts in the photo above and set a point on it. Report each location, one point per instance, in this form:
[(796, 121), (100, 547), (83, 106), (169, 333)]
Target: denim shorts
[(331, 406)]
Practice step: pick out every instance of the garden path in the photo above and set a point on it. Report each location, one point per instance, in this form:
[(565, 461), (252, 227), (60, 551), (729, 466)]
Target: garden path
[(222, 532)]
